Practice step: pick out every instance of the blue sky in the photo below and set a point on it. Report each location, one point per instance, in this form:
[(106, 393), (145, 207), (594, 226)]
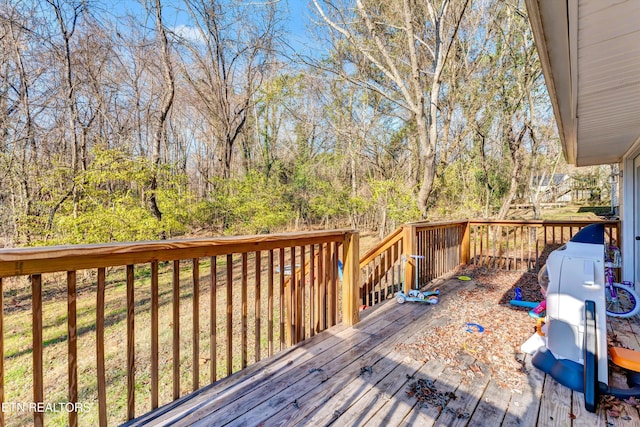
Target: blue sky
[(175, 16)]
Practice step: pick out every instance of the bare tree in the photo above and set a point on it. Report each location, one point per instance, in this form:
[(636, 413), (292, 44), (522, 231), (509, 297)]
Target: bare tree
[(515, 85), (16, 119), (166, 102), (226, 63), (399, 49), (67, 15)]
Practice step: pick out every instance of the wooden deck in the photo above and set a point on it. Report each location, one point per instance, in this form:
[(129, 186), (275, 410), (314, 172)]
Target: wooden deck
[(355, 376)]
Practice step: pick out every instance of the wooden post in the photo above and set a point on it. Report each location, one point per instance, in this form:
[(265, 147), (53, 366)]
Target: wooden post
[(351, 279), (408, 249), (465, 244)]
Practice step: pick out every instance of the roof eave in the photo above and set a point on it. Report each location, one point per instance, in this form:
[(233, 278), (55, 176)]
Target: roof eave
[(559, 77)]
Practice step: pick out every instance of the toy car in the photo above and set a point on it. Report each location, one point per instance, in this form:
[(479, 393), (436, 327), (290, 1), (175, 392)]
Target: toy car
[(418, 296)]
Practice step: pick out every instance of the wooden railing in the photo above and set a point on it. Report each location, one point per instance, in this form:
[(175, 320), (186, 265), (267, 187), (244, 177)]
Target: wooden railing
[(441, 247), (139, 325), (138, 336), (382, 269), (429, 250), (524, 245), (423, 250)]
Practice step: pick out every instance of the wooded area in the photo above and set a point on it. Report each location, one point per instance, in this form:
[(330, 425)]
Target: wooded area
[(120, 128)]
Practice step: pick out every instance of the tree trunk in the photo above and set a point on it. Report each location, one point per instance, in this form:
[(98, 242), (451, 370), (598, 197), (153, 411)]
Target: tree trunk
[(427, 160), (167, 101), (515, 142)]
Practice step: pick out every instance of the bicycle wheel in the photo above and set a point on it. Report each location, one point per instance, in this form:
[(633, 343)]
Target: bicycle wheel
[(626, 303)]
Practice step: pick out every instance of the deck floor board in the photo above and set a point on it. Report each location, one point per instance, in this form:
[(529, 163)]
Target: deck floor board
[(468, 396), (525, 405), (357, 377), (394, 411), (492, 407)]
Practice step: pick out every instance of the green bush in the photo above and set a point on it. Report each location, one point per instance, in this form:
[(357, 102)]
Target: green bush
[(113, 203)]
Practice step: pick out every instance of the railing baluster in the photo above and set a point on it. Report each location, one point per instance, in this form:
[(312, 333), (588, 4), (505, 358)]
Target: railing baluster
[(329, 277), (1, 350), (213, 316), (440, 236), (196, 323), (434, 249), (176, 329), (322, 286), (258, 297), (155, 365), (446, 253), (72, 334), (131, 345), (302, 296), (389, 275), (394, 256), (313, 311), (38, 373), (229, 314), (102, 384), (367, 282), (477, 247), (435, 254), (291, 298), (270, 300), (376, 280), (244, 311), (522, 239), (506, 250), (283, 315), (333, 265), (538, 266)]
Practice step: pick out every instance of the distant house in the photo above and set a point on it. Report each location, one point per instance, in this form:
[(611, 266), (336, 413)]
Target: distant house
[(553, 189), (563, 188)]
